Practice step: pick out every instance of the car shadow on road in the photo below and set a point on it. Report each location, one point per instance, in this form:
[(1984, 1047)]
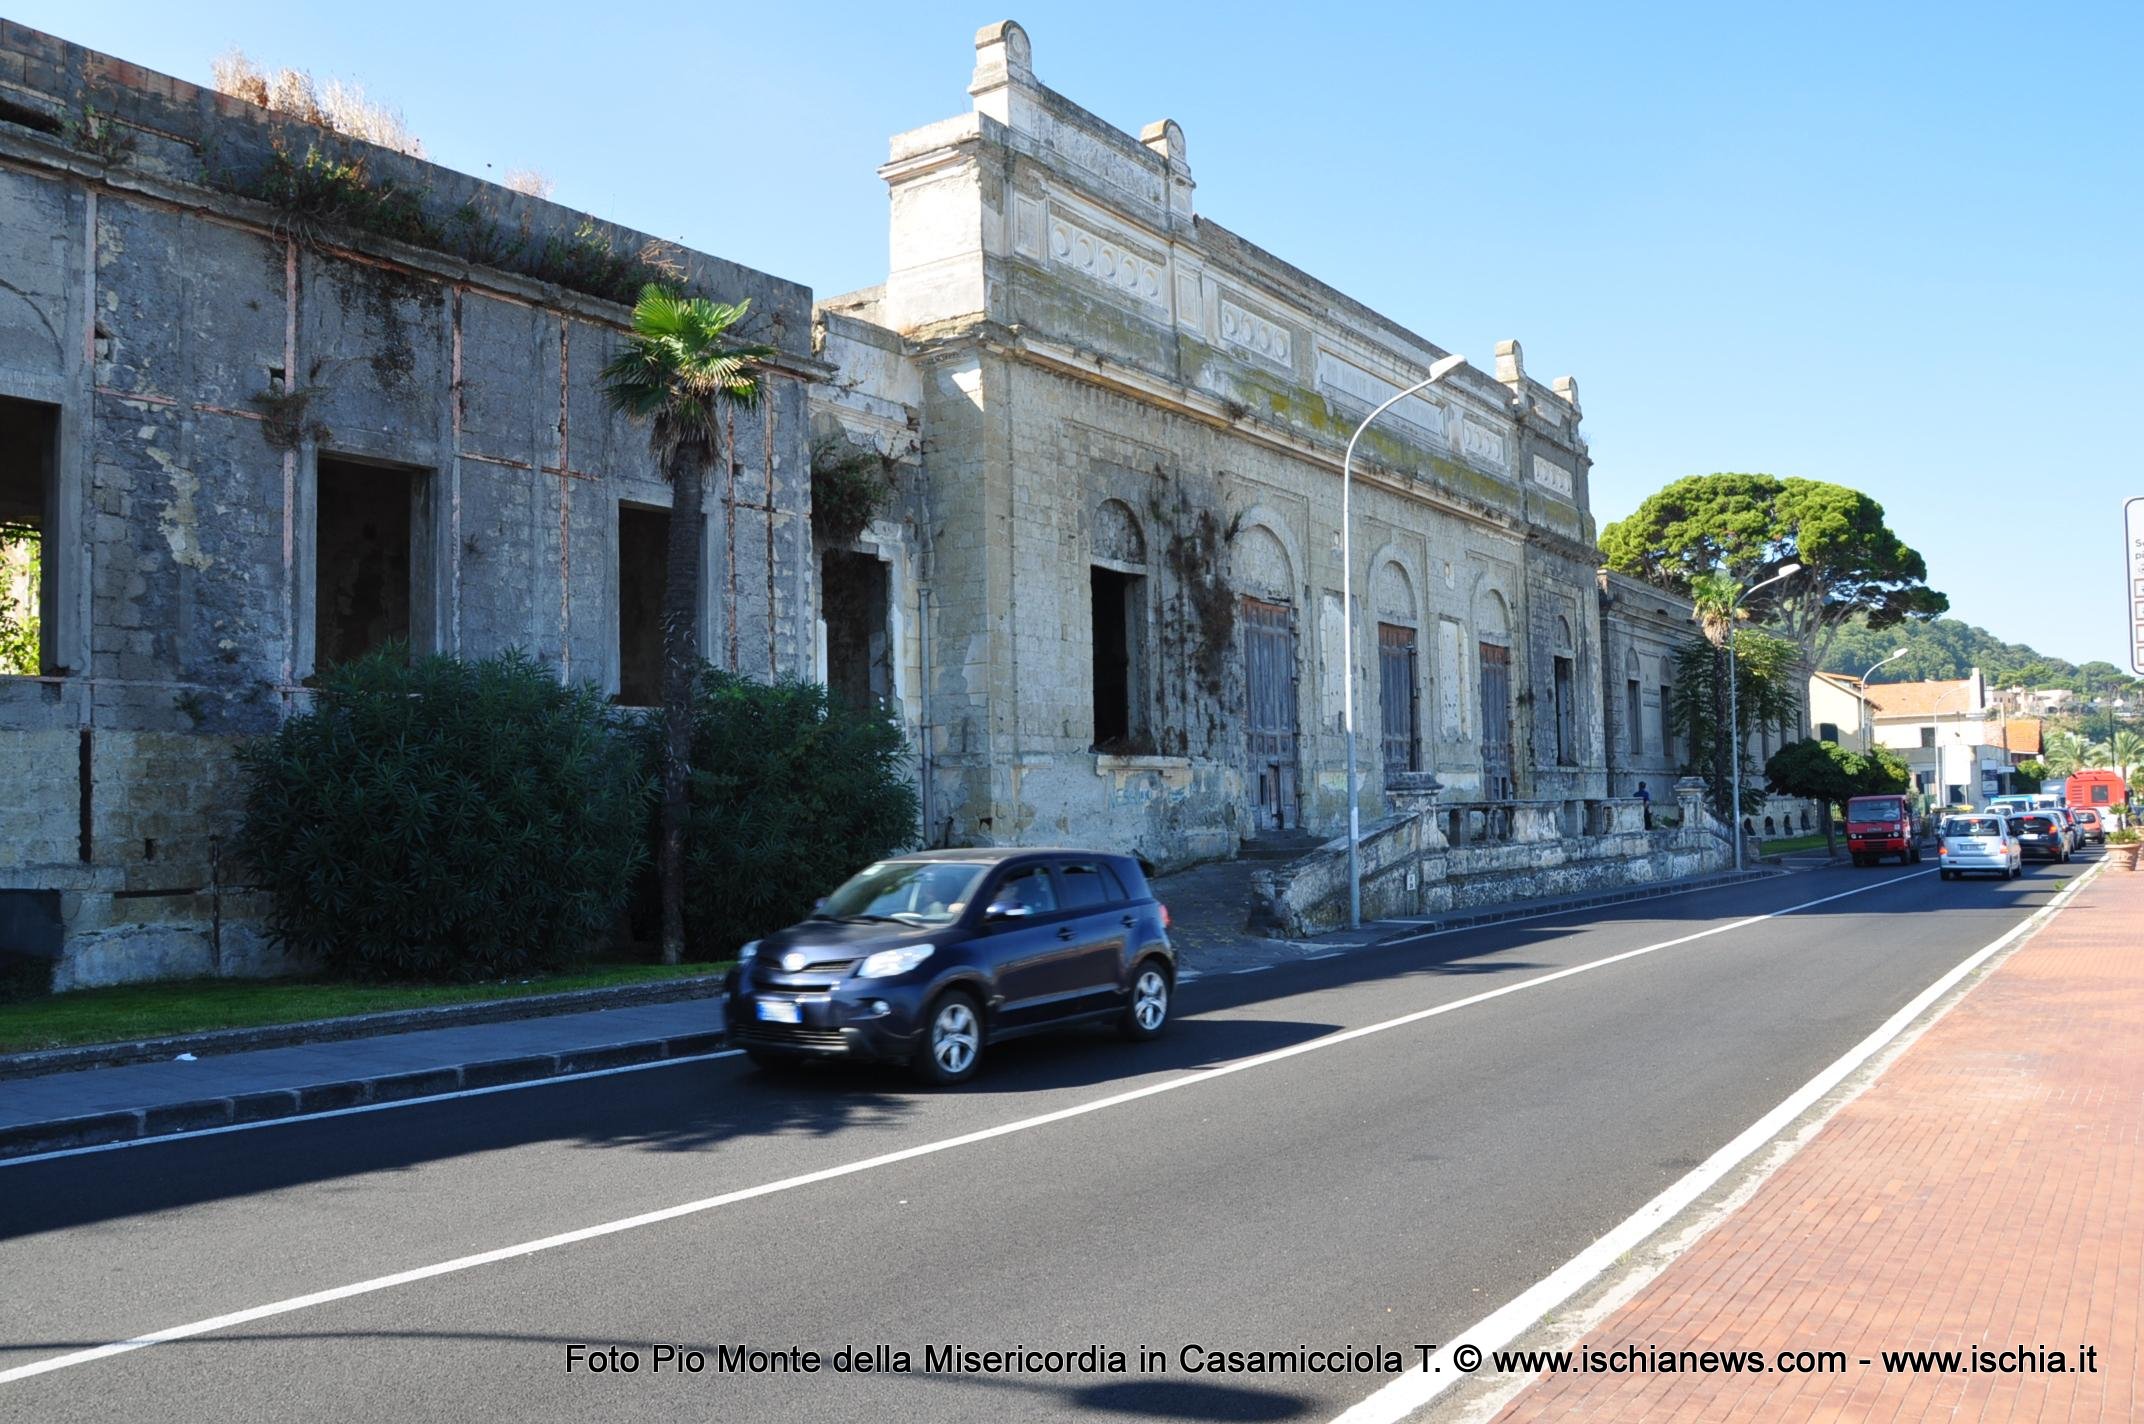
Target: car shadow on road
[(1135, 1397)]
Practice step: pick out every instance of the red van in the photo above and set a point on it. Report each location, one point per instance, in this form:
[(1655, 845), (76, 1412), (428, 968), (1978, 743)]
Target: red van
[(1877, 826)]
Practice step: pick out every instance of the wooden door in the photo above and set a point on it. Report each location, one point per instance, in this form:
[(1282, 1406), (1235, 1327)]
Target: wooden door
[(1269, 688), (1495, 722), (1399, 698)]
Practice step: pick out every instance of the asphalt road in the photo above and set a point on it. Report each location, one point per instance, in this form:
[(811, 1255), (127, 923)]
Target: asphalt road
[(1379, 1191)]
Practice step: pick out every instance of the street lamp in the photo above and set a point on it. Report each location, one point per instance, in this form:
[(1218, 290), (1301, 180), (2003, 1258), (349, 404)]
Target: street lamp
[(1734, 728), (1861, 694), (1440, 368)]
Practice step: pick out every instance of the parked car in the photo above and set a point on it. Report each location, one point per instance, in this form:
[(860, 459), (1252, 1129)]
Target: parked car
[(930, 958), (1877, 826), (2040, 835), (1978, 843), (2019, 802), (2090, 824)]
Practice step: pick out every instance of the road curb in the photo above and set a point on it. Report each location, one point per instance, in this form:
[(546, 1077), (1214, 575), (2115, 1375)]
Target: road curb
[(1520, 910), (238, 1040), (104, 1129)]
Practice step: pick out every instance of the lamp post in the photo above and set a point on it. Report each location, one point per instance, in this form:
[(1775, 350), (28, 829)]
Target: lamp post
[(1440, 368), (1861, 695), (1734, 728)]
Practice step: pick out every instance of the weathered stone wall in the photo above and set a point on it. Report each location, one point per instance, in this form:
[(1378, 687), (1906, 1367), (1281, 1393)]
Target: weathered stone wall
[(204, 351), (1104, 379), (1411, 867)]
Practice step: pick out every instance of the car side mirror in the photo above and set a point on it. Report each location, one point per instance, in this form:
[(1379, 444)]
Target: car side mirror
[(1007, 910)]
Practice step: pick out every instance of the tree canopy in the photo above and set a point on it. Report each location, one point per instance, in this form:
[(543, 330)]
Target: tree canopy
[(1830, 775), (1751, 526)]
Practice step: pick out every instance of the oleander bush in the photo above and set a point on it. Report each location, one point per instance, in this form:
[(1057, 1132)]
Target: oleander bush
[(792, 792), (434, 818)]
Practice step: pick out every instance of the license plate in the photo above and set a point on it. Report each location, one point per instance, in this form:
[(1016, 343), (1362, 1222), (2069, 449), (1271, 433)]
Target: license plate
[(781, 1011)]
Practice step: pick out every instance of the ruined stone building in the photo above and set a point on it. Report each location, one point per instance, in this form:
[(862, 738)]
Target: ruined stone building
[(259, 435), (270, 399), (1111, 585)]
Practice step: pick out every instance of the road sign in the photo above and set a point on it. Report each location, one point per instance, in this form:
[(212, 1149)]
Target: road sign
[(2133, 532)]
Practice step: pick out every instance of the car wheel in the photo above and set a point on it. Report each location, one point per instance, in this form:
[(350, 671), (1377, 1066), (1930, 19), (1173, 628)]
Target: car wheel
[(952, 1042), (1148, 1012), (1916, 856)]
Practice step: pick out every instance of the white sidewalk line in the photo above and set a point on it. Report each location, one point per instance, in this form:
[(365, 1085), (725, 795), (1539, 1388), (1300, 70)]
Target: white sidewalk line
[(886, 1159), (1409, 1392)]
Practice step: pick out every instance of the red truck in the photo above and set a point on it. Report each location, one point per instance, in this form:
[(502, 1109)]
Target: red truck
[(1877, 826), (2097, 789)]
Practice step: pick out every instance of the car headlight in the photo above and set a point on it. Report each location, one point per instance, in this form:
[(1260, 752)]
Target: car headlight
[(747, 950), (889, 962)]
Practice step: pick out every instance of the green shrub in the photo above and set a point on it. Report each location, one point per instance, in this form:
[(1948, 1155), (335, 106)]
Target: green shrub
[(792, 792), (443, 819)]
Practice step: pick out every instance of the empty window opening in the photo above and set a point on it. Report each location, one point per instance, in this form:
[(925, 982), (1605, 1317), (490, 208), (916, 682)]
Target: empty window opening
[(1119, 608), (29, 441), (1667, 723), (363, 559), (1566, 728), (1635, 709), (1827, 731), (1928, 736), (855, 601), (643, 574)]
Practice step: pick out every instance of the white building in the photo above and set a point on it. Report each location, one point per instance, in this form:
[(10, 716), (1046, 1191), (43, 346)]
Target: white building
[(1953, 738)]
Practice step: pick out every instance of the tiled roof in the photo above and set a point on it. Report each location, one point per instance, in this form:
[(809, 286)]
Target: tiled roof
[(1920, 699), (2024, 733)]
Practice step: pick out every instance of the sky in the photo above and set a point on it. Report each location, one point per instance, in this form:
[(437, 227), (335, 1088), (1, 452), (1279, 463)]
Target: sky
[(1896, 247)]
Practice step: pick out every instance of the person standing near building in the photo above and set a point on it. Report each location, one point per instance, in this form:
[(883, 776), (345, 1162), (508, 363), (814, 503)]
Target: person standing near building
[(1647, 798)]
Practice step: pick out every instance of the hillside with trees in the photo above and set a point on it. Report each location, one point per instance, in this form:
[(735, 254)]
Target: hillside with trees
[(1947, 648)]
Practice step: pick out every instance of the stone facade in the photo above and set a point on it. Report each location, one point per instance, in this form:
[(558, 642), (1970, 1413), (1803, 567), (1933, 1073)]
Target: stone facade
[(1641, 629), (243, 430), (1118, 556)]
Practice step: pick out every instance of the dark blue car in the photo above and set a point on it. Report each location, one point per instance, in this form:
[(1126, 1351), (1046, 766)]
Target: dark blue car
[(927, 959)]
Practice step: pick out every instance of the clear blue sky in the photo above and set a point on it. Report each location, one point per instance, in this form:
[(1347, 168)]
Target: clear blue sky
[(1892, 246)]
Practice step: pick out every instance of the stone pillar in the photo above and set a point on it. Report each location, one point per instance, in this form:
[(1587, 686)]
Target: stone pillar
[(1690, 798)]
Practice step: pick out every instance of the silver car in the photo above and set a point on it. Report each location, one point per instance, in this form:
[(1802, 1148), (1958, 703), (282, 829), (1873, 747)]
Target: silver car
[(1983, 844)]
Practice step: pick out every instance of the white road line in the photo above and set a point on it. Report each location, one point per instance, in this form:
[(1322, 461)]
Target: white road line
[(1409, 1392), (885, 1159), (163, 1137)]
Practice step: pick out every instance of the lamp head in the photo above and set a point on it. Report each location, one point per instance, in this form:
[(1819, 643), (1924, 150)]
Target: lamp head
[(1444, 366)]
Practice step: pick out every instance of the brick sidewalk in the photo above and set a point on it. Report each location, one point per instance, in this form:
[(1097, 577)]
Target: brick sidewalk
[(1987, 1190)]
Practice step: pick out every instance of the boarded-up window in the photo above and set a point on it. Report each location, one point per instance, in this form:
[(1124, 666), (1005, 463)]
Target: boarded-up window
[(1566, 721), (1635, 712), (1396, 692), (1450, 703)]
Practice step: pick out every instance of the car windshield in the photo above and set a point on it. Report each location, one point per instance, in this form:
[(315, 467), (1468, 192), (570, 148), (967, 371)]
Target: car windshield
[(913, 892), (1872, 811), (1961, 826)]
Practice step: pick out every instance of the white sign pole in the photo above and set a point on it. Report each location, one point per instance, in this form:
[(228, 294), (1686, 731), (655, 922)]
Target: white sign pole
[(2133, 534)]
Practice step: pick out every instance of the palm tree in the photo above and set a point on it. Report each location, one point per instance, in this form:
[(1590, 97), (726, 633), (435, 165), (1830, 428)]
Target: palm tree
[(681, 370), (1714, 596), (2096, 757), (2063, 752), (2127, 750)]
